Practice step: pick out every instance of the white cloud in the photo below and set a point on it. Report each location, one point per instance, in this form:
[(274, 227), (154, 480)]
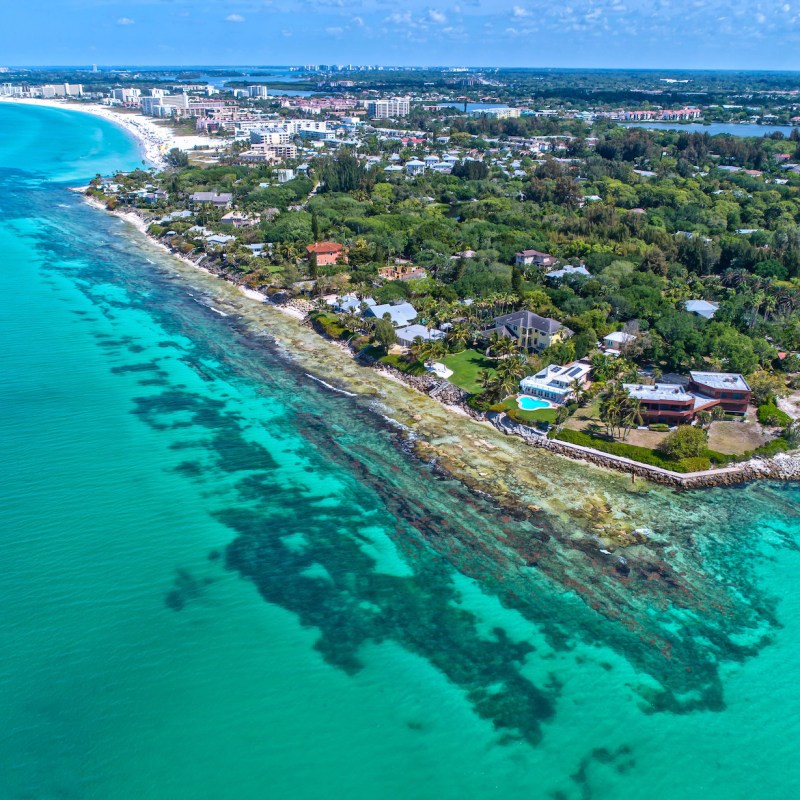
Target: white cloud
[(520, 11), (358, 22), (436, 16), (286, 33), (334, 31), (125, 21), (234, 18)]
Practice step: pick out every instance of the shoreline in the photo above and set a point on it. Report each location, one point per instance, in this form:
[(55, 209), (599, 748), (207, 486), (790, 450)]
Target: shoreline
[(783, 467), (154, 140)]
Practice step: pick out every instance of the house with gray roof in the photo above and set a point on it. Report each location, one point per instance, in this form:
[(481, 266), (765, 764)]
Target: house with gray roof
[(348, 302), (220, 239), (730, 389), (702, 308), (400, 315), (529, 330), (668, 403), (406, 336), (216, 199)]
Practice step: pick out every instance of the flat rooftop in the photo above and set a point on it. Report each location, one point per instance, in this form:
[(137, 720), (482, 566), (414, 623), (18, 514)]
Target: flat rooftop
[(658, 391), (730, 381)]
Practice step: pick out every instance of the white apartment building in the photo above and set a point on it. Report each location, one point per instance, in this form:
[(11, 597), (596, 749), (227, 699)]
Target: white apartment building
[(388, 107), (164, 106), (270, 137), (267, 152), (287, 130), (502, 112), (257, 91), (127, 96), (62, 90)]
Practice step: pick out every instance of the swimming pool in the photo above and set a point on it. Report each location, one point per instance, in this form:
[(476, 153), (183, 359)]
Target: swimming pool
[(527, 403)]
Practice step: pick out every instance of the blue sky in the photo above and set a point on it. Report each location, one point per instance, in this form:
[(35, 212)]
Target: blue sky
[(725, 34)]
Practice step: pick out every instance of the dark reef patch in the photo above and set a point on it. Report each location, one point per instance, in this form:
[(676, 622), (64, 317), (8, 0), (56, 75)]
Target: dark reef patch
[(666, 613), (185, 588)]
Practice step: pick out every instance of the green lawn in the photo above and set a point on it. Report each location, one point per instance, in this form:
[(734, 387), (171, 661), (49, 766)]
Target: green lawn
[(466, 365)]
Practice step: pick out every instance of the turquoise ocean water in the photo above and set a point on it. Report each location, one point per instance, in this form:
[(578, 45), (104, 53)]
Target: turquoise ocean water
[(220, 580)]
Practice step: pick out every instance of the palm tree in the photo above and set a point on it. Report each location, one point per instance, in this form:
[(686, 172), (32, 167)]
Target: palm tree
[(610, 412), (631, 414), (515, 366), (458, 336), (418, 350), (770, 304), (437, 349), (502, 346), (704, 419), (579, 392), (485, 378)]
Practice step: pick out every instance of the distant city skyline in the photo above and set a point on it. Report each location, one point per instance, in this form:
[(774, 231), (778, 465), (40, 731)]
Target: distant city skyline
[(625, 34)]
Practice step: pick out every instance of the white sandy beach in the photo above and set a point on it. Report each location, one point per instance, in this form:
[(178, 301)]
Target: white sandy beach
[(156, 138)]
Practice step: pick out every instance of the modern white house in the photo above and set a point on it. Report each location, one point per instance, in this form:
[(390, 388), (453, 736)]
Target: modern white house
[(556, 383), (415, 167)]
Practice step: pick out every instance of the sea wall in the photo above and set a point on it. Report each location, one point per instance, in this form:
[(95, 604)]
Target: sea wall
[(781, 467)]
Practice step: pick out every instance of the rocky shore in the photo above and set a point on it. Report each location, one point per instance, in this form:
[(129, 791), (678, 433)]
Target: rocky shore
[(451, 399)]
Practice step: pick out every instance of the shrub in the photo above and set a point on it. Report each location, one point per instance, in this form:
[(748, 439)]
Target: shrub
[(641, 454), (684, 442), (765, 386), (479, 402), (718, 459), (767, 450), (659, 427), (696, 464), (329, 325), (770, 414), (155, 230)]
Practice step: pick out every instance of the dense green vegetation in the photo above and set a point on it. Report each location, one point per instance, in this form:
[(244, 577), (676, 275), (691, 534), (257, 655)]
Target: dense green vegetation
[(684, 240), (657, 218)]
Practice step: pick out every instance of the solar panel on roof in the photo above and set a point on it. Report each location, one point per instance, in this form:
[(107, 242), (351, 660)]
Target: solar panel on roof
[(574, 371)]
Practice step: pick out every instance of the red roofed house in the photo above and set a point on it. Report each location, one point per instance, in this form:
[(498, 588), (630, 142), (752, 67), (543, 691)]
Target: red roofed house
[(528, 258), (327, 253)]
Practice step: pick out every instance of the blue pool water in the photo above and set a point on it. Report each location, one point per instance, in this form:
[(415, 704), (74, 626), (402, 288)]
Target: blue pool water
[(531, 403)]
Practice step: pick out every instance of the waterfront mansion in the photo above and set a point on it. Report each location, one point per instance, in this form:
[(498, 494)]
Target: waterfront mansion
[(676, 404), (530, 331), (556, 383)]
